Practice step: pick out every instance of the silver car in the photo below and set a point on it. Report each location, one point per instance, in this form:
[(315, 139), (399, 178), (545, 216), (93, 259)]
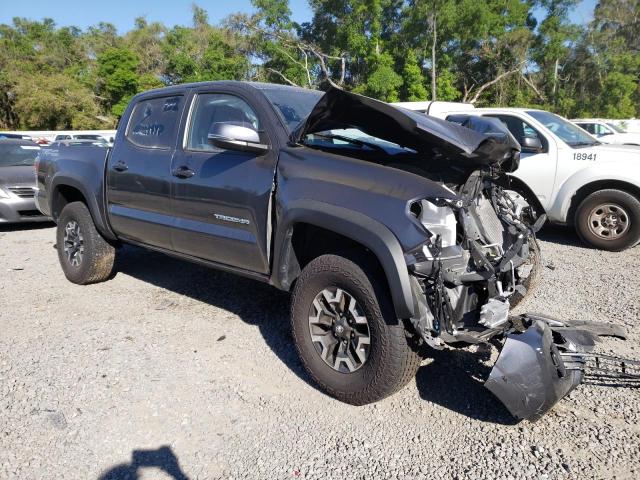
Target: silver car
[(18, 181)]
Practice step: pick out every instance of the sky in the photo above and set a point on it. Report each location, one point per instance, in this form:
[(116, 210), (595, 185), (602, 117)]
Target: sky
[(122, 13), (83, 13)]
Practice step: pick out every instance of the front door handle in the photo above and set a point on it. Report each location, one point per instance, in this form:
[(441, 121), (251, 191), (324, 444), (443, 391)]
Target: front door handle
[(183, 172), (120, 166)]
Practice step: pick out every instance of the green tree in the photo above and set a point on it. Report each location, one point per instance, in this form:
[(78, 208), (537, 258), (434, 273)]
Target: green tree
[(118, 78), (446, 86), (382, 81), (203, 52), (414, 89), (55, 101)]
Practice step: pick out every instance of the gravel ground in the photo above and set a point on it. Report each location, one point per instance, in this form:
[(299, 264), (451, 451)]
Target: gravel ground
[(174, 371)]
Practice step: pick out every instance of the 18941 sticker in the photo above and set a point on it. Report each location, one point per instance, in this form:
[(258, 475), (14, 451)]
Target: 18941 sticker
[(584, 156)]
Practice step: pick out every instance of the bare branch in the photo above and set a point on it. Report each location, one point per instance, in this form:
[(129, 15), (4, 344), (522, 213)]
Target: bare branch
[(306, 49), (533, 87), (486, 85), (281, 75), (306, 64)]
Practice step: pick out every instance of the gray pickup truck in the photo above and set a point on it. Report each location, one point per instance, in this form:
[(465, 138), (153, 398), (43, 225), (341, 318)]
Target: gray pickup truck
[(388, 226)]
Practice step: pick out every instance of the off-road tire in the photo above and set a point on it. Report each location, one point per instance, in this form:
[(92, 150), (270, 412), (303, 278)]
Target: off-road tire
[(532, 281), (99, 255), (631, 206), (393, 359)]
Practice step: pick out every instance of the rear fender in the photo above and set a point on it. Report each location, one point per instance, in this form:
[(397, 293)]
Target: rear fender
[(93, 200)]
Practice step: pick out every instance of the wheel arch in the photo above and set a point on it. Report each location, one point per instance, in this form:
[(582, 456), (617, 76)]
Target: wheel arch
[(327, 225), (62, 195), (592, 187), (65, 190), (510, 182)]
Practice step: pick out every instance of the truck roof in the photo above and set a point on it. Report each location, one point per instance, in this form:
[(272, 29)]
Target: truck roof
[(219, 83)]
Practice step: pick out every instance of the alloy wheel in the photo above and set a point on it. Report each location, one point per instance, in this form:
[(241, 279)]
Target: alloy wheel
[(73, 243), (339, 330)]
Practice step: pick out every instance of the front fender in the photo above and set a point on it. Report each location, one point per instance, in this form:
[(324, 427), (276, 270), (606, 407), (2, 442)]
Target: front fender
[(627, 172), (354, 225)]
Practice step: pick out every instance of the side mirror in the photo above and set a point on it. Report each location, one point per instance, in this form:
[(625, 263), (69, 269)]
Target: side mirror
[(531, 144), (235, 137)]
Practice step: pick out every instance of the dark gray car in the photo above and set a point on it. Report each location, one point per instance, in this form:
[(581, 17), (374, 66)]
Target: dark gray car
[(18, 181)]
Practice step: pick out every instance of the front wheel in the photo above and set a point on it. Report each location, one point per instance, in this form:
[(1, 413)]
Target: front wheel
[(346, 332), (85, 256), (609, 220)]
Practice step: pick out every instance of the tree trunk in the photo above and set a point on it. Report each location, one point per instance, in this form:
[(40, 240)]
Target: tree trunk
[(555, 80), (433, 57)]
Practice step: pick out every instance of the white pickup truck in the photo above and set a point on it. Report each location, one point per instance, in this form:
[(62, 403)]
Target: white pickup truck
[(566, 173), (608, 132)]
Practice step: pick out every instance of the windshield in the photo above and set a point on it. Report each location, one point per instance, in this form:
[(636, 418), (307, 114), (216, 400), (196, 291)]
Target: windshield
[(573, 135), (12, 155), (615, 128), (293, 104), (350, 138)]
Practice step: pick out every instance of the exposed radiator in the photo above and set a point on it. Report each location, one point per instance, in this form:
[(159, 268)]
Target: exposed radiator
[(487, 221)]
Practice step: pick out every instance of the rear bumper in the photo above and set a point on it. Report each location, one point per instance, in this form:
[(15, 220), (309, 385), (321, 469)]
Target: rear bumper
[(20, 210)]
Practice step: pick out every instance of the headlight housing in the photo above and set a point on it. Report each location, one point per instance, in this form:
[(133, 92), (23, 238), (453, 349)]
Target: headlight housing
[(4, 193)]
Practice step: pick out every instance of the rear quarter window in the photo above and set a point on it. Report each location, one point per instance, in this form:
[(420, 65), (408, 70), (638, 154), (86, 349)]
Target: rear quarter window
[(154, 122)]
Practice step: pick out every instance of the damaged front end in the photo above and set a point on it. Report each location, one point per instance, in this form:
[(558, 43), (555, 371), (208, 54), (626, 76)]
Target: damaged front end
[(480, 258)]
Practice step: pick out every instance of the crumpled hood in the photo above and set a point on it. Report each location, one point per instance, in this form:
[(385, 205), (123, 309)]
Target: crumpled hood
[(339, 109)]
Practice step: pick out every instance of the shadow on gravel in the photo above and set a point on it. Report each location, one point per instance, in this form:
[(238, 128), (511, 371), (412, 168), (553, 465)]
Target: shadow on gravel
[(255, 303), (18, 227), (562, 235), (162, 458), (455, 380)]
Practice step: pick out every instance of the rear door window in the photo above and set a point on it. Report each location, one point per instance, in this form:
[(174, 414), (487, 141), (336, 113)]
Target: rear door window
[(154, 122)]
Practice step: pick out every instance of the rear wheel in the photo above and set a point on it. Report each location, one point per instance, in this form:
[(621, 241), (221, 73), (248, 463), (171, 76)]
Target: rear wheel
[(346, 332), (609, 220), (85, 256)]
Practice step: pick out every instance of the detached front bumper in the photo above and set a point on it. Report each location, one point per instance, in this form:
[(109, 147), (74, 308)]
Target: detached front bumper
[(20, 210), (543, 361)]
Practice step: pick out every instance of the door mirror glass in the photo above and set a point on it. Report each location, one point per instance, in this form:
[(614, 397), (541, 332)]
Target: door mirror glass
[(531, 144), (235, 137)]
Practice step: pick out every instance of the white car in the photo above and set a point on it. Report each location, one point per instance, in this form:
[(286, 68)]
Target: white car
[(568, 174), (608, 132)]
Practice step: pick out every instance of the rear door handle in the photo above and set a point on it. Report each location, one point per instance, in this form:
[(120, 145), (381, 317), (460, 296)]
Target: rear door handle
[(120, 166), (183, 172)]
